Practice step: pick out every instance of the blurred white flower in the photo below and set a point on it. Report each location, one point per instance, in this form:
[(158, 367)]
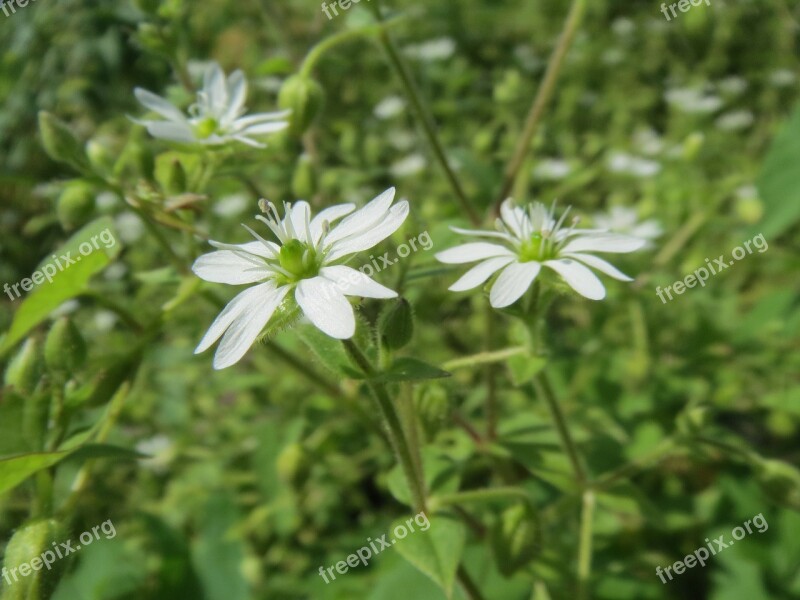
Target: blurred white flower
[(648, 142), (732, 86), (160, 451), (410, 165), (531, 238), (389, 107), (735, 120), (693, 101), (230, 206), (552, 169), (782, 78), (623, 26), (621, 219), (307, 260), (104, 320), (129, 226), (627, 164), (215, 118), (437, 49)]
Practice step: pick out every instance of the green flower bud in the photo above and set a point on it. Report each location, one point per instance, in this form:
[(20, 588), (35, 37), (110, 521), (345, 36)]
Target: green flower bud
[(34, 545), (396, 324), (780, 481), (64, 348), (433, 407), (23, 371), (100, 157), (59, 141), (304, 97), (304, 179), (293, 464), (515, 538), (75, 205)]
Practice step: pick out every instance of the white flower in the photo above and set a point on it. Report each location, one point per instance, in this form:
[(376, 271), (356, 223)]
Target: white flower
[(532, 238), (621, 219), (307, 260), (627, 164), (693, 100), (215, 118), (552, 169)]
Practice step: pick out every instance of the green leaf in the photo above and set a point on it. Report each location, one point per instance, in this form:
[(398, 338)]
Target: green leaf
[(436, 551), (524, 367), (779, 181), (410, 369), (329, 351), (12, 433), (66, 283)]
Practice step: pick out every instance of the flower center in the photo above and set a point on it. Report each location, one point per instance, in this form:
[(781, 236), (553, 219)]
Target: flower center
[(299, 260), (534, 248), (206, 127)]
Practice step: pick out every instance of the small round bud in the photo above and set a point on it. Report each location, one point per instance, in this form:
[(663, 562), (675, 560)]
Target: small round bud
[(64, 348), (304, 97), (100, 157), (23, 371), (75, 205), (35, 539)]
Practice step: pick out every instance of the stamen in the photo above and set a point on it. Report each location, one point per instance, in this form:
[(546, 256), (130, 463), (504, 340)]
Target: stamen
[(258, 237)]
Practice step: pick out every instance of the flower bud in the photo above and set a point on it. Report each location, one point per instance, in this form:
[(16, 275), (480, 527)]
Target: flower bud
[(75, 205), (36, 540), (23, 371), (100, 157), (304, 179), (396, 324), (515, 538), (292, 464), (780, 481), (64, 348), (59, 141), (304, 97)]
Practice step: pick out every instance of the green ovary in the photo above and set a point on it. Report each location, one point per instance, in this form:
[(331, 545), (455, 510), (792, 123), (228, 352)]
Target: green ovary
[(535, 248), (206, 127), (299, 260)]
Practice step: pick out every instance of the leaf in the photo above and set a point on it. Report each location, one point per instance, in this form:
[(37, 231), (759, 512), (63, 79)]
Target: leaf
[(16, 469), (436, 551), (329, 351), (12, 432), (66, 283), (524, 367), (779, 181), (410, 369)]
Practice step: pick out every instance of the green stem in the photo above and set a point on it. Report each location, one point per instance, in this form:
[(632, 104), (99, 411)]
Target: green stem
[(424, 116), (585, 546), (483, 358), (545, 391), (491, 379), (394, 426), (543, 95)]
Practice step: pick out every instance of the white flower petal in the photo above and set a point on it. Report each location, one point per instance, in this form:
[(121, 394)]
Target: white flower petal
[(480, 273), (512, 283), (299, 216), (252, 296), (264, 128), (513, 216), (247, 327), (225, 266), (330, 312), (158, 105), (481, 233), (168, 130), (330, 215), (371, 236), (263, 249), (601, 265), (237, 93), (472, 252), (215, 86), (579, 277), (363, 218), (604, 242), (256, 118), (354, 283)]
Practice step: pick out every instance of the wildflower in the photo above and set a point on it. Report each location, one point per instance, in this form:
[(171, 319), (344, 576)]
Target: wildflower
[(531, 238), (621, 219), (307, 260), (215, 118)]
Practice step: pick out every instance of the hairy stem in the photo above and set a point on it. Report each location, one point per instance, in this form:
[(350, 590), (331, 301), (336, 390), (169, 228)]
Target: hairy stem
[(585, 545)]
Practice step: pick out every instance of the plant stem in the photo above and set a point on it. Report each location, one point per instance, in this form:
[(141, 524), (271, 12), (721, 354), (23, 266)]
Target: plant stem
[(394, 426), (424, 115), (544, 390), (585, 546), (491, 379), (483, 358), (543, 95)]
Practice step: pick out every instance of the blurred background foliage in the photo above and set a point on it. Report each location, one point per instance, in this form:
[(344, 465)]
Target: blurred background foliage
[(258, 476)]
